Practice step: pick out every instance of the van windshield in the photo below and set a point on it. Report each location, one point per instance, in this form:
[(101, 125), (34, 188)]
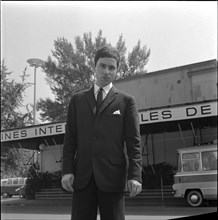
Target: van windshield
[(179, 162), (4, 182)]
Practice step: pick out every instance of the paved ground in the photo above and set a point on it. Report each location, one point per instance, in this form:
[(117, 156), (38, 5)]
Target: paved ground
[(21, 209)]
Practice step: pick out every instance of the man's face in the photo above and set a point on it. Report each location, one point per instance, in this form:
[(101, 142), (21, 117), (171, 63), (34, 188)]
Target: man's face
[(105, 71)]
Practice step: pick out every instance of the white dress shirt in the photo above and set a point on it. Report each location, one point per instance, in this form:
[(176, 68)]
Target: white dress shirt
[(106, 90)]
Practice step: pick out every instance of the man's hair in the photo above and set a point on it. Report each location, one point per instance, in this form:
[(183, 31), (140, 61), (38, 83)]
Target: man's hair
[(107, 51)]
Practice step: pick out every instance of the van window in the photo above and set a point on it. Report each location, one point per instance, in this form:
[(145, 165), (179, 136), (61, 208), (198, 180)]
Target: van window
[(209, 160), (21, 181), (191, 161), (4, 182), (15, 181), (9, 181)]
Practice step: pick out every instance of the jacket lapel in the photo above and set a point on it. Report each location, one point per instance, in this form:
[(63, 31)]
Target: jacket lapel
[(91, 99), (108, 99)]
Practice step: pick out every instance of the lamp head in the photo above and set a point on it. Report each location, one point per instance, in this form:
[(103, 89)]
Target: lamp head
[(34, 62)]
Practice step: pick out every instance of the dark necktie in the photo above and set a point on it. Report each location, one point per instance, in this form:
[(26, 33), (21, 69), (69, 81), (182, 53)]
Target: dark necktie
[(99, 98)]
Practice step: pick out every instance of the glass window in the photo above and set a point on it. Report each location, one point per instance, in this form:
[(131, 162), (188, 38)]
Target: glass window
[(21, 181), (191, 161), (209, 160), (15, 182), (179, 162), (9, 181), (4, 182)]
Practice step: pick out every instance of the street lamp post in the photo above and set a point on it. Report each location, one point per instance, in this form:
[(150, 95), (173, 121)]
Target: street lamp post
[(34, 62)]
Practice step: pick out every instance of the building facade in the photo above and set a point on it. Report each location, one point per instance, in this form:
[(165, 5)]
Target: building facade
[(177, 108)]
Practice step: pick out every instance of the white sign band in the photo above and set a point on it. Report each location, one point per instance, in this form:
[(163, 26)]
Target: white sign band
[(145, 117), (178, 113)]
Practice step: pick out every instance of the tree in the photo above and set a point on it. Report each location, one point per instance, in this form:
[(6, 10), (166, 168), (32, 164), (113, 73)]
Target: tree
[(11, 99), (12, 162), (12, 94), (72, 70), (138, 59)]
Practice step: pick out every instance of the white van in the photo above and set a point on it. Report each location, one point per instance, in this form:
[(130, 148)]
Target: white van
[(13, 186), (196, 178)]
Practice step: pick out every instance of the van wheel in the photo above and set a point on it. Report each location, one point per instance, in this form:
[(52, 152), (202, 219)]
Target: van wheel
[(194, 198), (5, 195)]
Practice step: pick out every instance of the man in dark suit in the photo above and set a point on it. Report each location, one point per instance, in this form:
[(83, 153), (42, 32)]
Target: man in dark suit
[(102, 145)]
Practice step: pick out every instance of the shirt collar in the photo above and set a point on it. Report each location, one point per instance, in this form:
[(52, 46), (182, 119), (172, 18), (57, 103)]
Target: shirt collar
[(105, 88)]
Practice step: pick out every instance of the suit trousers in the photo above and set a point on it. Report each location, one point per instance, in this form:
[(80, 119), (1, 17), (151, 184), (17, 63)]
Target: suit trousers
[(87, 202)]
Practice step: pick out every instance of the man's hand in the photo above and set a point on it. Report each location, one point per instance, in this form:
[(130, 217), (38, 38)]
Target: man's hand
[(134, 187), (67, 182)]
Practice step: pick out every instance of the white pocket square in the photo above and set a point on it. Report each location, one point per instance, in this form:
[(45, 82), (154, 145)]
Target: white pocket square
[(116, 112)]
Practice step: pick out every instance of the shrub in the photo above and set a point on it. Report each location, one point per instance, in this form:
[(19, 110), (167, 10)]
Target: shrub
[(152, 177)]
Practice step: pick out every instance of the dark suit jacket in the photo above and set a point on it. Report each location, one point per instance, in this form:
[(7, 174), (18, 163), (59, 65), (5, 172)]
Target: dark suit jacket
[(94, 144)]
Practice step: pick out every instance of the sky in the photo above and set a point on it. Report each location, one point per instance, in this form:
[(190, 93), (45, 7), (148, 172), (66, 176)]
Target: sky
[(177, 32)]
